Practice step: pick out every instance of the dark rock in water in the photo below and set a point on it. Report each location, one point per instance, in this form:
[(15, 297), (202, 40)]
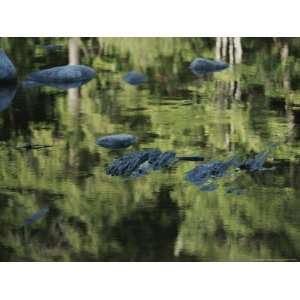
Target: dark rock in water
[(116, 141), (28, 84), (140, 163), (162, 160), (7, 69), (256, 163), (134, 78), (202, 174), (63, 75), (201, 66), (129, 163), (39, 214), (7, 94)]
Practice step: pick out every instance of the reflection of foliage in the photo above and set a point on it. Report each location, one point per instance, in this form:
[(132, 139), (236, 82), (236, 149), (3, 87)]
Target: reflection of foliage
[(246, 227), (96, 217)]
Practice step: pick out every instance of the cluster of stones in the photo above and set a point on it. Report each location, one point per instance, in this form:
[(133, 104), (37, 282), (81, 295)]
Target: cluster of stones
[(137, 163)]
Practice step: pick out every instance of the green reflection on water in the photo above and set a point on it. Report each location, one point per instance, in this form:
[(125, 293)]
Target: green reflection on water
[(160, 217)]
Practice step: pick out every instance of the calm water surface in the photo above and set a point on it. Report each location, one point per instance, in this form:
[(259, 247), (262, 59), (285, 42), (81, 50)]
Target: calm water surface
[(73, 211)]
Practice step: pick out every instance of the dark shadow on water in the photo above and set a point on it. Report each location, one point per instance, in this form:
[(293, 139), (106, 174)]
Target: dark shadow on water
[(149, 234), (7, 94)]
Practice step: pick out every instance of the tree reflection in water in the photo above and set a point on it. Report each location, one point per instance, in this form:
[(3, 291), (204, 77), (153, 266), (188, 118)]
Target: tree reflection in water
[(160, 217)]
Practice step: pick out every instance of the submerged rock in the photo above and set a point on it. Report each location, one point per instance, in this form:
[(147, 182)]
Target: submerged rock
[(134, 78), (201, 66), (63, 75), (201, 175), (256, 163), (140, 163), (7, 94), (7, 69), (117, 141)]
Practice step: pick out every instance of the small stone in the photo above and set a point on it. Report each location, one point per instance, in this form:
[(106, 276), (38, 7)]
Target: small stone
[(201, 66), (117, 141), (134, 78)]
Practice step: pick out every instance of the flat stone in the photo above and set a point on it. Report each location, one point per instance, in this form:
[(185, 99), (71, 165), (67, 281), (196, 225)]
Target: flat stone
[(201, 66), (63, 74), (134, 78), (116, 141)]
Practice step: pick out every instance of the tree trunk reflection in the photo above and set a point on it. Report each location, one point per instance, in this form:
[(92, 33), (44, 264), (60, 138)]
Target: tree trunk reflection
[(73, 93)]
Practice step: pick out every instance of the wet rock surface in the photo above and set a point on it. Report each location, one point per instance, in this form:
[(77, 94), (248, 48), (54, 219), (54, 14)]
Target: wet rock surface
[(200, 175), (8, 71), (116, 141), (201, 66), (63, 75), (140, 163), (204, 175), (134, 78)]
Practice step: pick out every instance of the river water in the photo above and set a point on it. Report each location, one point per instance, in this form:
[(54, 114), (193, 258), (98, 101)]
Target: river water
[(82, 214)]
